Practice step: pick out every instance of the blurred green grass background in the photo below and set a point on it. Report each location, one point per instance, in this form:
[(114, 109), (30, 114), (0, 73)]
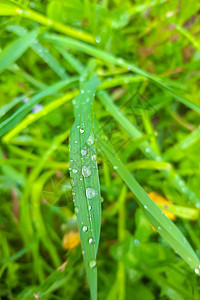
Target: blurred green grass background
[(38, 228)]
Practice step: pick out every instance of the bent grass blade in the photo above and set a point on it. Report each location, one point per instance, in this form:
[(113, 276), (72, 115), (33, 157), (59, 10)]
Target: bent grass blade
[(85, 181), (7, 8), (41, 51), (165, 227), (101, 54), (24, 109), (12, 52)]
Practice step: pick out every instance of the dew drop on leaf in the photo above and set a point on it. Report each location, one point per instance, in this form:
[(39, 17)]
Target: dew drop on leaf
[(92, 263), (83, 152), (86, 172), (85, 228), (90, 193), (90, 140), (91, 241)]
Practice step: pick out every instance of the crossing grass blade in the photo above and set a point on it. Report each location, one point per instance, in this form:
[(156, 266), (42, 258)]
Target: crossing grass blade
[(85, 181), (25, 108), (165, 227), (41, 51), (101, 54), (7, 8), (12, 52), (145, 146)]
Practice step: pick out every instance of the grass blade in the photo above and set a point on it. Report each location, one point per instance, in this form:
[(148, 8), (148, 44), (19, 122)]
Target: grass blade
[(165, 227), (145, 147), (85, 181), (23, 110), (101, 54), (7, 9), (12, 52), (41, 51)]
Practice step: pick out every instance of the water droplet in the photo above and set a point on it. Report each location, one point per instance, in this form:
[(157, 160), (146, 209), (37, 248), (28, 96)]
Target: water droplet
[(92, 263), (148, 150), (145, 206), (85, 228), (86, 171), (90, 193), (76, 210), (37, 108), (102, 199), (83, 152), (115, 167), (89, 207), (74, 171), (82, 91), (98, 39), (136, 242), (90, 140), (94, 157), (81, 130), (76, 142), (91, 241), (197, 270), (159, 228)]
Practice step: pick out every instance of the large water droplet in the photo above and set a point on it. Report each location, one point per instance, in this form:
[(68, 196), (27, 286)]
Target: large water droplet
[(91, 241), (92, 263), (86, 171), (90, 193), (85, 228)]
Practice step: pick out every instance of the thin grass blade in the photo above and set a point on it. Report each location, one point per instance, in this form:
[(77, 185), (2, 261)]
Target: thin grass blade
[(12, 52), (24, 109), (165, 227)]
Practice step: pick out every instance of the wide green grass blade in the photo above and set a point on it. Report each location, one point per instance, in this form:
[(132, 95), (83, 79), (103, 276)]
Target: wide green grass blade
[(165, 227), (85, 181), (41, 51), (24, 109), (101, 54), (12, 52)]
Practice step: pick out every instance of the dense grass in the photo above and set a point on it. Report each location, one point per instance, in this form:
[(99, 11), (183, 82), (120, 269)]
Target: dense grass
[(99, 152)]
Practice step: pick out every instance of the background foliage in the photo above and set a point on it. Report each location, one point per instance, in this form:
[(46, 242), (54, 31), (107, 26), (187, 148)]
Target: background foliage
[(146, 124)]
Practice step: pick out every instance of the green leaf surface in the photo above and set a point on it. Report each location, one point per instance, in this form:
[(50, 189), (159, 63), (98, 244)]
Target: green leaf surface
[(12, 52), (85, 181)]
